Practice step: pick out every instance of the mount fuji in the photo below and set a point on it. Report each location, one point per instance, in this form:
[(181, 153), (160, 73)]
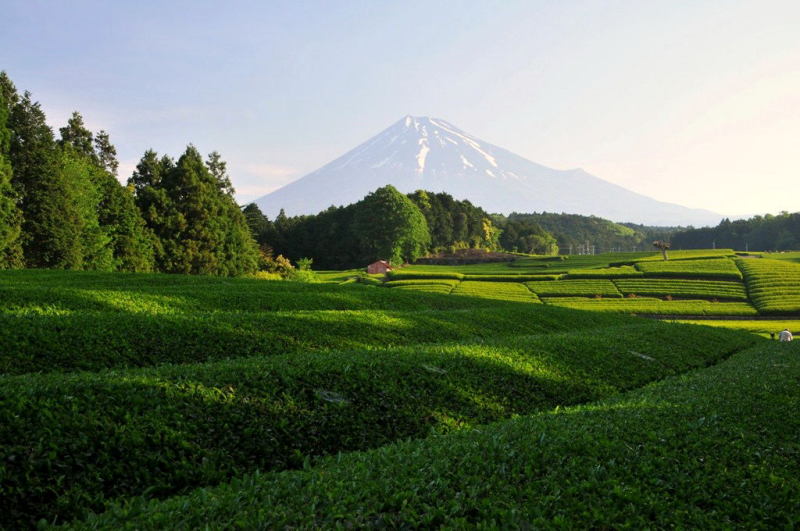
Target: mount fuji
[(432, 154)]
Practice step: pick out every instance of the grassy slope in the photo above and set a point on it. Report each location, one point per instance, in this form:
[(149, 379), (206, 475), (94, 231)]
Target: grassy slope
[(90, 437), (716, 448), (87, 437), (761, 327), (90, 321)]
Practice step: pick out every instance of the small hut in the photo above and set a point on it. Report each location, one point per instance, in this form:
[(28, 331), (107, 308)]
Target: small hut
[(380, 267)]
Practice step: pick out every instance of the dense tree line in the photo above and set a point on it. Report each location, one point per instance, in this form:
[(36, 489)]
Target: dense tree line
[(573, 233), (759, 233), (455, 224), (384, 225), (61, 205)]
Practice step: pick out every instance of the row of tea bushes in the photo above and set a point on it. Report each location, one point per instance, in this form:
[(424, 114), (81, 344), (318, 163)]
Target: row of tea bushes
[(97, 340), (714, 268), (773, 285), (70, 442), (653, 306), (507, 291), (712, 449), (707, 289), (575, 288)]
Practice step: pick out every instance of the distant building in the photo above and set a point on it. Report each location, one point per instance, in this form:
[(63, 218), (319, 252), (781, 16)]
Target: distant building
[(379, 267)]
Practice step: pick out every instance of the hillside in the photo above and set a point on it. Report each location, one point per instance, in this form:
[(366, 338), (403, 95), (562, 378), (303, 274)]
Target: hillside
[(713, 449), (119, 386), (432, 154)]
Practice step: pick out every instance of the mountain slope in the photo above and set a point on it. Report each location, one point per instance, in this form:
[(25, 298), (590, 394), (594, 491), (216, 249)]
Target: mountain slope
[(432, 154)]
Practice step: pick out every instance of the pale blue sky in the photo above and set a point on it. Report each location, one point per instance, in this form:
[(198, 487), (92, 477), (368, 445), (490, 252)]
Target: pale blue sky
[(694, 102)]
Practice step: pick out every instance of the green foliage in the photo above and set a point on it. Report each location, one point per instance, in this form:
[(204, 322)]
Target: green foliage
[(773, 285), (578, 288), (192, 213), (10, 214), (711, 289), (762, 327), (605, 272), (180, 427), (653, 306), (76, 136), (507, 291), (106, 153), (389, 226), (715, 448), (572, 231), (759, 233), (523, 234), (131, 242), (455, 224), (715, 268), (63, 321)]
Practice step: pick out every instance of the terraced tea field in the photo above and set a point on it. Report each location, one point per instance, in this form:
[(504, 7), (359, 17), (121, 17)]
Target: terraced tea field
[(161, 401), (705, 283), (774, 285)]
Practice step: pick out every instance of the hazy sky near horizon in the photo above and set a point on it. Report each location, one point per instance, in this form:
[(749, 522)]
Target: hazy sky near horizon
[(693, 102)]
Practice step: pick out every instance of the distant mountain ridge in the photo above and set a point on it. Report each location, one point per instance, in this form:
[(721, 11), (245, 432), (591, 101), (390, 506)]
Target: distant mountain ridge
[(432, 154)]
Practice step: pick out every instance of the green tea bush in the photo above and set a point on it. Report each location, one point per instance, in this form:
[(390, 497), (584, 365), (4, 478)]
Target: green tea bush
[(580, 288), (711, 289), (507, 291), (714, 268), (75, 441), (410, 275), (653, 306), (773, 285), (511, 278), (93, 340), (716, 448), (625, 271)]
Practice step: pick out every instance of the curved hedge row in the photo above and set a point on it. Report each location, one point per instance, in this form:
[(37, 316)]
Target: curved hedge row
[(507, 291), (575, 288), (75, 441), (653, 306), (97, 340), (715, 448), (711, 289), (773, 285), (713, 268)]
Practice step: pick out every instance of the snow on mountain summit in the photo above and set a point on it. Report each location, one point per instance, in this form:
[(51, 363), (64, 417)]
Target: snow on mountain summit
[(432, 154)]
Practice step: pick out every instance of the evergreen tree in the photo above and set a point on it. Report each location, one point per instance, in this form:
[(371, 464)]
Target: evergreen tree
[(10, 214), (76, 135), (106, 153), (78, 178), (199, 227), (219, 169), (131, 241), (51, 219)]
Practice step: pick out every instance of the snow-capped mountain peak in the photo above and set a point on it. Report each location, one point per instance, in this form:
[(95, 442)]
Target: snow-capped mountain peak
[(418, 152)]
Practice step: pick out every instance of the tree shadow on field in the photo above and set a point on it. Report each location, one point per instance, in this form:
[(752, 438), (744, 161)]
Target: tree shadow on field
[(166, 431), (92, 340)]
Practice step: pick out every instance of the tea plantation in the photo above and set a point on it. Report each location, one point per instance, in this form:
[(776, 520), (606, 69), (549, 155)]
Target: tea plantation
[(442, 397)]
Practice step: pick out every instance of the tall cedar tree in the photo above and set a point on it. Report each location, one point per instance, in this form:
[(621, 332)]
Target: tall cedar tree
[(192, 213), (127, 243), (52, 225), (388, 225), (10, 214)]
